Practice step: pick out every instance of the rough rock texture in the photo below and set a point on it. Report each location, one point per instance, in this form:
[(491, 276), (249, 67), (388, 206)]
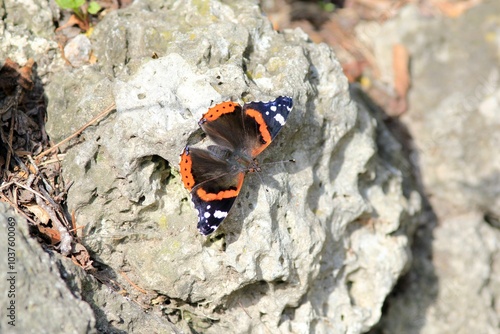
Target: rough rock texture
[(454, 119), (27, 32), (114, 312), (32, 283), (313, 246)]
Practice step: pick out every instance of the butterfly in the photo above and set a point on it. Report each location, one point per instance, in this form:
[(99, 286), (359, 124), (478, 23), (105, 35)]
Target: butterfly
[(215, 175)]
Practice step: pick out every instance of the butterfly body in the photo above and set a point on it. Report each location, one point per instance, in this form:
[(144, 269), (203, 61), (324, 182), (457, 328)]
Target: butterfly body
[(215, 175)]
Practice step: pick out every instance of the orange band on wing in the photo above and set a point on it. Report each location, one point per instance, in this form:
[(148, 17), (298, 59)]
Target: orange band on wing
[(186, 173), (264, 131), (220, 109), (221, 194)]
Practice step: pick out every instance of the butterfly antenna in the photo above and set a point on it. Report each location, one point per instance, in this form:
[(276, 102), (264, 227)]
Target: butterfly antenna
[(277, 162)]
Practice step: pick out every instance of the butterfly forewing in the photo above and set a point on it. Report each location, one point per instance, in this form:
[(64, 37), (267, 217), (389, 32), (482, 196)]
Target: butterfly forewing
[(223, 119), (274, 113), (270, 117)]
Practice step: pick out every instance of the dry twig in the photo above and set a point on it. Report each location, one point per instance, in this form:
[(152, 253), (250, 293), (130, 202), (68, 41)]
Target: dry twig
[(77, 132)]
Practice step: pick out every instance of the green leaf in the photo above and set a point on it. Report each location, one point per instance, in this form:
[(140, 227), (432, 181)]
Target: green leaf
[(327, 6), (93, 8), (70, 4)]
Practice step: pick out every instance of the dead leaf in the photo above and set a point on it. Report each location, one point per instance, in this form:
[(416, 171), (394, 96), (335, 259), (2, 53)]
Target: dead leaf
[(92, 58), (25, 75), (40, 213), (353, 70), (52, 234), (72, 21), (11, 76), (25, 197), (400, 64), (81, 256)]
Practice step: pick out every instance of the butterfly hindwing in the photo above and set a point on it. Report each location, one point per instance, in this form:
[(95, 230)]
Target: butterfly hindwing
[(213, 184), (199, 166), (211, 213)]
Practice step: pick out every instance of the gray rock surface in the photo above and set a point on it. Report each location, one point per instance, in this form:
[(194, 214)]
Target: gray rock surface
[(32, 284), (27, 31), (454, 120), (114, 312), (312, 246)]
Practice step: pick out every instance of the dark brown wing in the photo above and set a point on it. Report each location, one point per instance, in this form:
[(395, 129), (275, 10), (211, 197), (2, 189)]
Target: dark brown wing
[(227, 125), (214, 186)]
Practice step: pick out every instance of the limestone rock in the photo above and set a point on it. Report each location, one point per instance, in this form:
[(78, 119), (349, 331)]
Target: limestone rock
[(311, 246), (317, 244), (31, 282), (27, 31), (453, 120)]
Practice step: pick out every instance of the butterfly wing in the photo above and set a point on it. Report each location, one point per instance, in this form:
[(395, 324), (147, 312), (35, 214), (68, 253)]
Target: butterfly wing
[(211, 213), (224, 125), (270, 117), (249, 129), (213, 185)]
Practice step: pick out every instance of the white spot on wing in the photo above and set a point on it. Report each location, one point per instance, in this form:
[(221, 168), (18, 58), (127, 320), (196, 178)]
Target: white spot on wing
[(207, 214), (280, 119), (273, 108), (220, 214)]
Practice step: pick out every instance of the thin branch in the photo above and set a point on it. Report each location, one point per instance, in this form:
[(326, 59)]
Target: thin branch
[(30, 190), (77, 133), (14, 205), (132, 283)]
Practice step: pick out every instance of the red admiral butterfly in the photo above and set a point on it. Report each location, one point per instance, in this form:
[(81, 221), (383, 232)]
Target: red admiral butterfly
[(215, 175)]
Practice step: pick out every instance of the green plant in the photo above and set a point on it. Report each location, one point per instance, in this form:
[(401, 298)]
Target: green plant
[(76, 5), (93, 8), (327, 6)]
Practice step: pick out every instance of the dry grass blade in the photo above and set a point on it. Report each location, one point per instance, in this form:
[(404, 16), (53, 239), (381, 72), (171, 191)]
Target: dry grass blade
[(6, 200), (141, 290)]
